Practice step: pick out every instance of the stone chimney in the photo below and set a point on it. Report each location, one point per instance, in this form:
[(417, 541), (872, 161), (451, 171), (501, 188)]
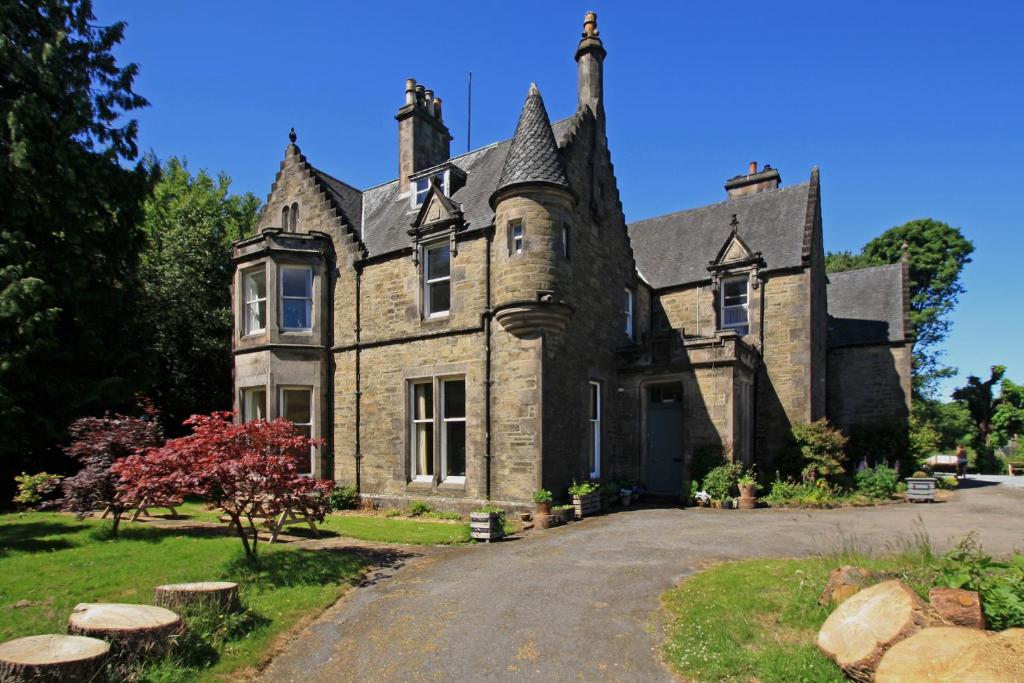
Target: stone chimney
[(754, 181), (423, 139), (590, 60)]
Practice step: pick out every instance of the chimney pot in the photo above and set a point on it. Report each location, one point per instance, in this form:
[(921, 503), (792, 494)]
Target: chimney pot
[(753, 168), (437, 108), (590, 24), (419, 95), (410, 91), (428, 101)]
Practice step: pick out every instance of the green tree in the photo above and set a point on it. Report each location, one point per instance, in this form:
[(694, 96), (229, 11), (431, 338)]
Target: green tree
[(190, 223), (1008, 417), (937, 255), (71, 202), (977, 397)]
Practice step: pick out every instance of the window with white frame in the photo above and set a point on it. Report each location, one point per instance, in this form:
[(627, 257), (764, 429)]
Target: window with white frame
[(437, 280), (444, 426), (515, 237), (422, 411), (254, 286), (296, 298), (297, 407), (734, 304), (254, 404), (594, 439), (453, 430), (629, 304), (421, 185)]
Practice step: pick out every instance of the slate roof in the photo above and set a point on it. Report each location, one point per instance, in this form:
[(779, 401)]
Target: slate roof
[(676, 249), (533, 155), (865, 306), (387, 211)]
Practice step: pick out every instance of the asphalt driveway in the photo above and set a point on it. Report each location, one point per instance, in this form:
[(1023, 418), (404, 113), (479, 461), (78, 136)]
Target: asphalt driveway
[(580, 603)]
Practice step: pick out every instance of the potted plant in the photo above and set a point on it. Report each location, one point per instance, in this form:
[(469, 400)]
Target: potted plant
[(920, 488), (542, 497), (702, 498), (625, 495), (585, 498), (720, 483), (564, 513), (487, 523), (748, 486)]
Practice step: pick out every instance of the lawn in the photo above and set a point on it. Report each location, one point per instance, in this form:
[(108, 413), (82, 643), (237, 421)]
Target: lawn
[(757, 619)]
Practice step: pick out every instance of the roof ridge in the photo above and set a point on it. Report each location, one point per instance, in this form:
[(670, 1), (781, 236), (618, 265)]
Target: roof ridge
[(743, 198), (336, 179), (860, 270)]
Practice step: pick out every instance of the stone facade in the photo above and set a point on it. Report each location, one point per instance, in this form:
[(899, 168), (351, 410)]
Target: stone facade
[(482, 326)]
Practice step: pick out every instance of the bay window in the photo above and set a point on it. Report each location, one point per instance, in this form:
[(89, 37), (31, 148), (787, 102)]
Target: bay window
[(297, 407), (254, 287), (296, 298), (453, 430), (254, 404), (423, 431)]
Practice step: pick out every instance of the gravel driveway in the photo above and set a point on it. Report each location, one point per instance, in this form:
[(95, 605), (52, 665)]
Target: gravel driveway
[(580, 603)]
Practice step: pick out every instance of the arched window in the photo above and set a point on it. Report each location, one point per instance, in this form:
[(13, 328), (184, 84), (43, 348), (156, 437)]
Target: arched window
[(284, 219), (294, 217)]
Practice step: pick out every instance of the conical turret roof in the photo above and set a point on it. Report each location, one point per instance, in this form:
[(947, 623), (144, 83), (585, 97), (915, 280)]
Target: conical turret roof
[(533, 156)]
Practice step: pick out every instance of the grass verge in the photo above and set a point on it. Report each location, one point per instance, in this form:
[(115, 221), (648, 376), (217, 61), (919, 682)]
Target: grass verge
[(757, 619)]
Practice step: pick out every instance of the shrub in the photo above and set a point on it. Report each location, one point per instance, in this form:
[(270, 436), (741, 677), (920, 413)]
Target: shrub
[(33, 489), (418, 508), (948, 483), (582, 489), (720, 483), (885, 442), (706, 458), (344, 498), (920, 474), (877, 482), (815, 450), (1001, 585), (801, 494), (542, 496)]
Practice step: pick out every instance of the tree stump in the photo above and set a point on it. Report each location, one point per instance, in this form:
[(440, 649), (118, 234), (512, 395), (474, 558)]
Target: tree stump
[(860, 630), (221, 596), (52, 658), (958, 607), (954, 654), (133, 631)]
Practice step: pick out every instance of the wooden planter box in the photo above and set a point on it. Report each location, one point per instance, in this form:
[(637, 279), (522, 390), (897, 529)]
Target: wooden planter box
[(587, 506), (564, 515), (921, 489), (486, 526)]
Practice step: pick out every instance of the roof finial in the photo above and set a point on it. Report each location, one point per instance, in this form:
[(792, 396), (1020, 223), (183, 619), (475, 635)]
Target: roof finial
[(735, 223), (590, 25), (292, 137)]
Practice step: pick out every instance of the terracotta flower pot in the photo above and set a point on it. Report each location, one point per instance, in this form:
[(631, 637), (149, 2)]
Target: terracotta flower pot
[(543, 521), (747, 490), (544, 508)]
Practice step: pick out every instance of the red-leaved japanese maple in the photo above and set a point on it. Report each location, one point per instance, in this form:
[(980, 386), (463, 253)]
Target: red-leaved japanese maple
[(100, 444), (244, 470)]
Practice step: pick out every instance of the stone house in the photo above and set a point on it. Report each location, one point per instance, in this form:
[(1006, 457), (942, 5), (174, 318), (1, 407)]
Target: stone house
[(489, 324)]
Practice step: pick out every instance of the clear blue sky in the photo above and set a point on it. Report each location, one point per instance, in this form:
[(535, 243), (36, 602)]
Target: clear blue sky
[(910, 109)]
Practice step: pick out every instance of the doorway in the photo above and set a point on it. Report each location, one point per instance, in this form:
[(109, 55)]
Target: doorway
[(665, 438)]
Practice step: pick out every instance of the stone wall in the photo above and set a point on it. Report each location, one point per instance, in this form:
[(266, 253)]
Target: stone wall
[(869, 384)]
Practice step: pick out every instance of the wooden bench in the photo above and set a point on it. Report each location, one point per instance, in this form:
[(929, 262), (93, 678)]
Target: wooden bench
[(1014, 468)]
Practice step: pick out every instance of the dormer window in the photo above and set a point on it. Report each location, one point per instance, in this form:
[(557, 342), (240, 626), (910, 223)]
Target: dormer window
[(421, 185), (735, 296)]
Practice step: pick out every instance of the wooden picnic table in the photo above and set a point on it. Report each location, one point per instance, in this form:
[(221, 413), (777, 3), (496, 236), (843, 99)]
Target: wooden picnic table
[(140, 509), (276, 523)]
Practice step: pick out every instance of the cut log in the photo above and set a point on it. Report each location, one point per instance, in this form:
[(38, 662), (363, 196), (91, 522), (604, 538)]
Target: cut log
[(133, 631), (958, 607), (953, 654), (842, 583), (860, 630), (221, 596), (52, 658)]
